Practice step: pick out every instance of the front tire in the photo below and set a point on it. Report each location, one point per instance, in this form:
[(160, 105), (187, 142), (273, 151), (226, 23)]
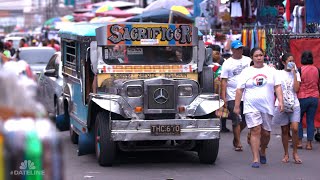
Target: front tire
[(105, 147), (208, 151)]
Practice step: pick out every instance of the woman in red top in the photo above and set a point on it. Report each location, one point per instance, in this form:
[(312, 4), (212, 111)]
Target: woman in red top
[(308, 96)]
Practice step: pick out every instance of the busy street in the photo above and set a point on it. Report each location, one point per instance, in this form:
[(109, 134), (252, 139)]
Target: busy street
[(159, 89), (230, 165)]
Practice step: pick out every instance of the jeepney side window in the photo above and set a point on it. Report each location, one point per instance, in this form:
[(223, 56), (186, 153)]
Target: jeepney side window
[(71, 55), (79, 56)]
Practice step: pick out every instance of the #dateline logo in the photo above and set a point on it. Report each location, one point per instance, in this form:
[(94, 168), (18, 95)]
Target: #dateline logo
[(27, 168)]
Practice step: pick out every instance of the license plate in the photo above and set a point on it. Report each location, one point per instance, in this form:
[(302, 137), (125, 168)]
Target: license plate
[(157, 130)]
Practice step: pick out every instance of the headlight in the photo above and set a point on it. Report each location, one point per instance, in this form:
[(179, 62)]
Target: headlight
[(185, 90), (134, 91)]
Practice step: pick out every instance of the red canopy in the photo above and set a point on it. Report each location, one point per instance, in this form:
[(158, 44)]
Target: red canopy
[(83, 16)]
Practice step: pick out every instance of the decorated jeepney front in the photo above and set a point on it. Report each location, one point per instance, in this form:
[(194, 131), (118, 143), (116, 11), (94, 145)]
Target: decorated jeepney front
[(148, 82)]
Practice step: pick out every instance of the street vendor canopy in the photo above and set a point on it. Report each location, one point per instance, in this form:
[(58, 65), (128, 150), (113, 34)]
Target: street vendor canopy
[(147, 34)]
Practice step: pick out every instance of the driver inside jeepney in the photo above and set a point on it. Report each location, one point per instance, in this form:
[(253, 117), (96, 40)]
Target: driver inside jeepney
[(122, 54)]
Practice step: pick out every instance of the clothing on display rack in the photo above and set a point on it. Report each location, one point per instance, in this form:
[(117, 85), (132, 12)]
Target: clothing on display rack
[(254, 37), (298, 19), (313, 28), (312, 11), (236, 10), (267, 15), (278, 43), (210, 10), (288, 12)]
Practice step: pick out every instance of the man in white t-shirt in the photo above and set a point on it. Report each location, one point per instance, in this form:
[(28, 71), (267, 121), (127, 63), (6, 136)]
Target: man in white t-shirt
[(230, 72)]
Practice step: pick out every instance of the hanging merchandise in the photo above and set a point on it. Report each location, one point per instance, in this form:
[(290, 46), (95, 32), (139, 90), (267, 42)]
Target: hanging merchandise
[(298, 19), (288, 14), (277, 40), (254, 36), (313, 28), (312, 11), (268, 15), (236, 10), (210, 10)]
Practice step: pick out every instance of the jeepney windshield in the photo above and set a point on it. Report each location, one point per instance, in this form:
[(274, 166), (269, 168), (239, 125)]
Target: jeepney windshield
[(139, 55)]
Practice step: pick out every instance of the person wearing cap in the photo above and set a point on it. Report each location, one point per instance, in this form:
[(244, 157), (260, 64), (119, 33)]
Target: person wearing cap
[(230, 72)]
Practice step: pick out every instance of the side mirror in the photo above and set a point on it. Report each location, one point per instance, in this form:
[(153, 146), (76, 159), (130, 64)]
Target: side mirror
[(94, 56), (50, 73), (208, 58)]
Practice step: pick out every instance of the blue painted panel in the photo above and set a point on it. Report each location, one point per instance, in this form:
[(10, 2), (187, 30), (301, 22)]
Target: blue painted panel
[(76, 124), (80, 110)]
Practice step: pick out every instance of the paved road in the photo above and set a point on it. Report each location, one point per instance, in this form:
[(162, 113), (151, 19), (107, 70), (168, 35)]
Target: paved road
[(185, 165)]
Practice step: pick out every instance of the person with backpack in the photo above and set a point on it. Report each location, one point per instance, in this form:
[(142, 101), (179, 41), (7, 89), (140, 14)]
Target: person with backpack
[(308, 96), (290, 83)]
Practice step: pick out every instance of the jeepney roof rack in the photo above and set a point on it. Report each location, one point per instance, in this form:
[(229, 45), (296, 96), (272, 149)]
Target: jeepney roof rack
[(78, 30)]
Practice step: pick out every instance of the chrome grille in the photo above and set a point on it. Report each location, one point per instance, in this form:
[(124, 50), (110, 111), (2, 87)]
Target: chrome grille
[(161, 97)]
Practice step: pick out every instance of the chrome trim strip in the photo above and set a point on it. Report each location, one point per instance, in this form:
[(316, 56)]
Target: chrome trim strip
[(71, 78), (78, 120), (182, 130)]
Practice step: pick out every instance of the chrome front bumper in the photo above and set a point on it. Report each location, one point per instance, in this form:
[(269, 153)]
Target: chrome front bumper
[(140, 130)]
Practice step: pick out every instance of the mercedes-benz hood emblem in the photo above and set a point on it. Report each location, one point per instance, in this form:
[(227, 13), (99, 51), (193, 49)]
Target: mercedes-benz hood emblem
[(160, 95)]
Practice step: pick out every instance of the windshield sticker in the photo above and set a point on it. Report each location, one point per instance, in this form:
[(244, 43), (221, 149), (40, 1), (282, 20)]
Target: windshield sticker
[(155, 34), (149, 41)]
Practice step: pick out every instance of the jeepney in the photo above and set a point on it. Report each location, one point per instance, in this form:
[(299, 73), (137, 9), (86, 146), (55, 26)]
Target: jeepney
[(139, 87)]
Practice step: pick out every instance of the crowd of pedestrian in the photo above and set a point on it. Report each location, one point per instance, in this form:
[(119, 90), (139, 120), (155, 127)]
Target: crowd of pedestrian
[(257, 96), (8, 52)]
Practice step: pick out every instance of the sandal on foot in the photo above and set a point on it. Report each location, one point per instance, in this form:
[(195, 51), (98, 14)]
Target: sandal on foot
[(263, 159), (239, 148), (297, 160), (236, 148), (255, 165), (285, 159), (309, 147)]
